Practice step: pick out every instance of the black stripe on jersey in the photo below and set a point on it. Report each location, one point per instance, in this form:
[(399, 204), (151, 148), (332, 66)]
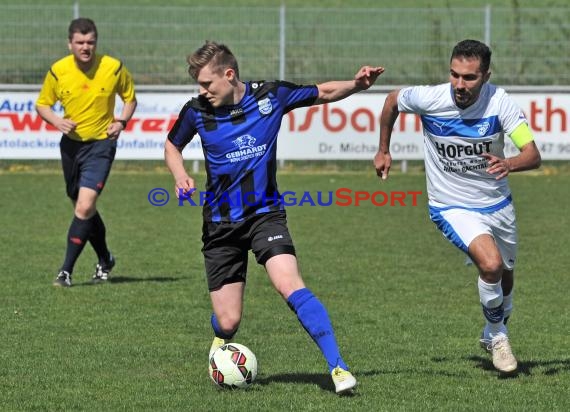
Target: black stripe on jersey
[(271, 190), (209, 119), (261, 89), (271, 87), (271, 173), (224, 207), (174, 131), (119, 69), (302, 103), (247, 186), (201, 105), (53, 74), (207, 208)]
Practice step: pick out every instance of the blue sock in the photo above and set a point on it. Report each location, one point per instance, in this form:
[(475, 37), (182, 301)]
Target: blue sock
[(218, 331), (315, 319)]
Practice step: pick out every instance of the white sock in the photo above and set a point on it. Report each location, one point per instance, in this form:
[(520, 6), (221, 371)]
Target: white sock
[(491, 297)]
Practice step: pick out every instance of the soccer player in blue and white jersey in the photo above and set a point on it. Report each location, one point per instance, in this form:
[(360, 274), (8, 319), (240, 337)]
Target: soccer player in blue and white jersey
[(464, 123), (238, 123)]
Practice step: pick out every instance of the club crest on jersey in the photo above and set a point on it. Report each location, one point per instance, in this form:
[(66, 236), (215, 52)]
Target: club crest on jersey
[(265, 106), (482, 128)]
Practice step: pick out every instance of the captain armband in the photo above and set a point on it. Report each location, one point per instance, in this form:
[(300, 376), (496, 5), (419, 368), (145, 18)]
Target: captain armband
[(521, 135)]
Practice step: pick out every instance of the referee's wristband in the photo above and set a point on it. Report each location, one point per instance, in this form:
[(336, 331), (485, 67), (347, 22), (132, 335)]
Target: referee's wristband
[(123, 122)]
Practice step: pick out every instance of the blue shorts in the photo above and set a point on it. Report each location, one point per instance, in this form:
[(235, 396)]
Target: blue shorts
[(86, 164)]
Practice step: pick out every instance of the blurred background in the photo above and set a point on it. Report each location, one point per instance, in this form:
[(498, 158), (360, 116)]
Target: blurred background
[(302, 42)]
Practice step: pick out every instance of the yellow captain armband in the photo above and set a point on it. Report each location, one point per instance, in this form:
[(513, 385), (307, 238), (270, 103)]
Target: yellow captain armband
[(521, 135)]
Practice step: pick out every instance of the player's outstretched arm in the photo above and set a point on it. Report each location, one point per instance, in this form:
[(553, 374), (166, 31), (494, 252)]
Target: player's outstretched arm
[(340, 89), (183, 183), (383, 158)]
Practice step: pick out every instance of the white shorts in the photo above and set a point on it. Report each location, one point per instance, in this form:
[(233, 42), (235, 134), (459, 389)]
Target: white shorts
[(461, 226)]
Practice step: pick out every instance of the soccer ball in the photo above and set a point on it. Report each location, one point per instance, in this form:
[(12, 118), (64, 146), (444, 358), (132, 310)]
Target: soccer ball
[(233, 366)]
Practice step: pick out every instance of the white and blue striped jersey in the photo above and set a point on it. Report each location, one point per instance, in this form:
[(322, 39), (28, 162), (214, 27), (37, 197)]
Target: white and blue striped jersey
[(454, 140)]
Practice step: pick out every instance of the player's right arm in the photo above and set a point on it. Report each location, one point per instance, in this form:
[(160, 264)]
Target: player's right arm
[(383, 158), (178, 137), (175, 163), (46, 99), (65, 126)]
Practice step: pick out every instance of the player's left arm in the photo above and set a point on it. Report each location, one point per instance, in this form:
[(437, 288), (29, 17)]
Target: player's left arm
[(340, 89), (126, 91), (120, 123), (128, 110), (527, 159)]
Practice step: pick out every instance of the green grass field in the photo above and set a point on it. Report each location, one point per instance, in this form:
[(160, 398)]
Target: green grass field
[(404, 305)]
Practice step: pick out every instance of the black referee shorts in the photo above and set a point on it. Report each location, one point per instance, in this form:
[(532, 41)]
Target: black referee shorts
[(86, 164), (226, 246)]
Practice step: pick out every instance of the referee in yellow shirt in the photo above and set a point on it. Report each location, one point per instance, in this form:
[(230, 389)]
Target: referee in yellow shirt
[(86, 85)]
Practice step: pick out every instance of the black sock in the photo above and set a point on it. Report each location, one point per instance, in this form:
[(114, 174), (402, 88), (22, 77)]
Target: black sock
[(98, 239), (77, 236)]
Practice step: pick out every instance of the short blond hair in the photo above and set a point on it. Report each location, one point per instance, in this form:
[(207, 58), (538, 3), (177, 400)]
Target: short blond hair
[(219, 55)]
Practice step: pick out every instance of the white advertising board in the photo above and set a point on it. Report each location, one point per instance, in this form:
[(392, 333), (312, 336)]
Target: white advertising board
[(348, 129)]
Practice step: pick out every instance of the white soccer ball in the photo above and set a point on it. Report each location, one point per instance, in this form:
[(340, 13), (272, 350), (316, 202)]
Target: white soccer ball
[(233, 365)]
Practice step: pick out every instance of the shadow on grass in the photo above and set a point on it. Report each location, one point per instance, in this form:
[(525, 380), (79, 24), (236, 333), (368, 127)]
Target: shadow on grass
[(127, 279), (552, 367), (322, 380)]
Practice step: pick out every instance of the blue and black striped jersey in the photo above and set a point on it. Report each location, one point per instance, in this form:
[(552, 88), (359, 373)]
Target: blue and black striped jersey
[(240, 147)]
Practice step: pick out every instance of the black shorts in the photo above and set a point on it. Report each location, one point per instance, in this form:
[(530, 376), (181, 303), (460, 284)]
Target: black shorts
[(86, 164), (226, 246)]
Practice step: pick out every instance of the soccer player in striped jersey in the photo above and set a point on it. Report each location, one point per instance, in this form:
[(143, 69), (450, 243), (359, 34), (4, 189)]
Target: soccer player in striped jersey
[(238, 123), (86, 84), (464, 123)]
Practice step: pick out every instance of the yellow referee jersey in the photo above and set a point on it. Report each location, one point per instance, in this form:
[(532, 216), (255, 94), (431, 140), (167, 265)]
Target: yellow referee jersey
[(87, 98)]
